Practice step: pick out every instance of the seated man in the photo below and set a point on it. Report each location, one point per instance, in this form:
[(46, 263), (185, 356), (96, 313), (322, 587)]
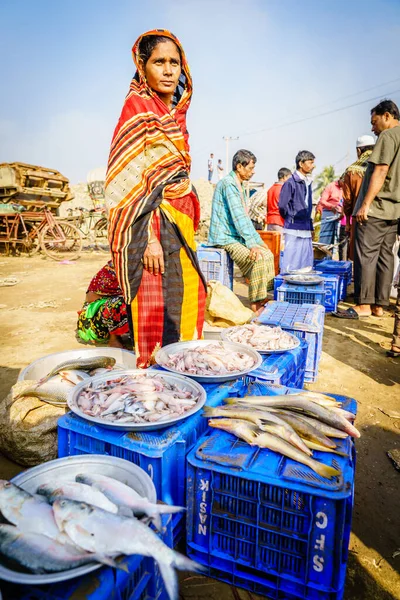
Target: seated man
[(231, 228)]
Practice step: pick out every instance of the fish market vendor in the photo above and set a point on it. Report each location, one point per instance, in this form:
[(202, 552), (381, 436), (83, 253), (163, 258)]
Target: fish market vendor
[(153, 209), (103, 318), (231, 228)]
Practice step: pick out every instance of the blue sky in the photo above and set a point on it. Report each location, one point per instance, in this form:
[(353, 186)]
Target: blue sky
[(256, 65)]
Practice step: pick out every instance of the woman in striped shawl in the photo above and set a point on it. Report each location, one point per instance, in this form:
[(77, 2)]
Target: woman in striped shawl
[(153, 208)]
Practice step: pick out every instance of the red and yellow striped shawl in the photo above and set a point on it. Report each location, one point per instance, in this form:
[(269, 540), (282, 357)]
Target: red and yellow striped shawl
[(148, 182)]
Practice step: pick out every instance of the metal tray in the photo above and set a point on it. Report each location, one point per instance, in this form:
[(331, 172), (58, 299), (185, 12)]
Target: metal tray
[(296, 341), (63, 470), (40, 367), (181, 380), (162, 358), (300, 272), (297, 279)]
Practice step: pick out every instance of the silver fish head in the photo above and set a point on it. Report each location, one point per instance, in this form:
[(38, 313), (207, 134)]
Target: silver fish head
[(10, 492), (46, 490), (65, 510)]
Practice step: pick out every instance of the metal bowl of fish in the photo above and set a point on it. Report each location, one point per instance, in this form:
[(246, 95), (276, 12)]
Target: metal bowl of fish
[(263, 338), (137, 400), (209, 361), (303, 279), (56, 474), (44, 365)]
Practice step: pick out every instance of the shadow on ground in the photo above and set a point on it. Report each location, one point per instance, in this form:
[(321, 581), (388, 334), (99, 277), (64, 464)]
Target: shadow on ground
[(368, 356)]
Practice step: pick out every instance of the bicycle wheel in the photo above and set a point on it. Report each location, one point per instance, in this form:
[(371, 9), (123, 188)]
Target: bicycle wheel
[(100, 236), (29, 241), (61, 241)]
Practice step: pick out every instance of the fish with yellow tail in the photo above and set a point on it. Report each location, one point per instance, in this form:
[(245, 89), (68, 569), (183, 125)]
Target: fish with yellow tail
[(254, 437), (266, 421)]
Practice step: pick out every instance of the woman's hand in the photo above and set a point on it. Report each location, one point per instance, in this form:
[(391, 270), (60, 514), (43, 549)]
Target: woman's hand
[(153, 258)]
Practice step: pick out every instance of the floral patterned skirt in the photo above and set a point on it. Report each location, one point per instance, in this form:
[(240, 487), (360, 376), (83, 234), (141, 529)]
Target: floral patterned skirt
[(98, 319)]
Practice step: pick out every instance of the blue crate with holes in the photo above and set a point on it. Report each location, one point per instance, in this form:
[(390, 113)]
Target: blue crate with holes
[(160, 453), (284, 369), (333, 289), (266, 523), (301, 294), (305, 321), (140, 580), (215, 263), (342, 268)]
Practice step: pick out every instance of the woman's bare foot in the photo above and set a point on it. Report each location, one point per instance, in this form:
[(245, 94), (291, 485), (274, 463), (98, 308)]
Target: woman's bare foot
[(377, 310), (363, 310), (114, 341)]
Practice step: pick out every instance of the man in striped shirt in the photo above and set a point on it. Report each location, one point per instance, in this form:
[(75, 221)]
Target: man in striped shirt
[(231, 228)]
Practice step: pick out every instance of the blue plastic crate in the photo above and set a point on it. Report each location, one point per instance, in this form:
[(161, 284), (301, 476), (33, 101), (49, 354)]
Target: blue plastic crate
[(306, 322), (301, 294), (141, 581), (215, 263), (284, 369), (342, 268), (266, 523), (332, 285), (160, 453)]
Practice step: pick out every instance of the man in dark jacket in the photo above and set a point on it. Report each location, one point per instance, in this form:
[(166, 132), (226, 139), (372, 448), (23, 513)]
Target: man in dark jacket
[(295, 206)]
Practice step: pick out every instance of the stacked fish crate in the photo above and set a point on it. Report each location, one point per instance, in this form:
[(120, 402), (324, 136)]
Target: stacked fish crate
[(333, 288), (306, 322), (161, 453), (215, 264), (267, 523), (288, 368), (341, 268)]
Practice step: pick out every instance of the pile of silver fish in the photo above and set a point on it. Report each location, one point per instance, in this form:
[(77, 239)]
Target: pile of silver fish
[(55, 387), (92, 519), (262, 337), (292, 425), (136, 399), (212, 359), (303, 278)]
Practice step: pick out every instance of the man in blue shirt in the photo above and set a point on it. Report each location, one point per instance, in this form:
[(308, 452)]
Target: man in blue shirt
[(231, 228), (295, 206)]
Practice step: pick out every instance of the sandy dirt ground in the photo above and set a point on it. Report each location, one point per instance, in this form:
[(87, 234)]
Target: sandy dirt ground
[(38, 316)]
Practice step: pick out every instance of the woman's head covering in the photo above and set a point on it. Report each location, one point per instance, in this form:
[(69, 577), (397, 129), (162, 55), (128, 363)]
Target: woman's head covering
[(184, 88)]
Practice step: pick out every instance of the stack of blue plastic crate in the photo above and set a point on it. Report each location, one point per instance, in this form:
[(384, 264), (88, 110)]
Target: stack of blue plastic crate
[(215, 263), (266, 523), (287, 369), (304, 321), (161, 454), (342, 268), (301, 294), (333, 288)]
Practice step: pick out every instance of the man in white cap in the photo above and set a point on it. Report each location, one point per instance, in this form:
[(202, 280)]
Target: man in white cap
[(352, 179)]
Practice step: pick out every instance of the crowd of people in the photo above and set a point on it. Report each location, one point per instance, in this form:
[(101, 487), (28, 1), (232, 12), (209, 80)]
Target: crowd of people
[(153, 289)]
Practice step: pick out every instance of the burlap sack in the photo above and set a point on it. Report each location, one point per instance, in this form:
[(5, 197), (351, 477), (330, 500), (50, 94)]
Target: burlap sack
[(28, 427), (223, 307)]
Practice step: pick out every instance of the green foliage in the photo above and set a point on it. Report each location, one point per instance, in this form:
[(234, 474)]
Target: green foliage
[(326, 176)]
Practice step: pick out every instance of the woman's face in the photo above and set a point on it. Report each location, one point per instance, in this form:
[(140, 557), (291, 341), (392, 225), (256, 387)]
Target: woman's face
[(163, 68)]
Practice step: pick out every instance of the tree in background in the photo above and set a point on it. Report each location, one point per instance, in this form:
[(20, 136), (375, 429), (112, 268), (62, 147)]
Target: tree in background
[(323, 179)]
